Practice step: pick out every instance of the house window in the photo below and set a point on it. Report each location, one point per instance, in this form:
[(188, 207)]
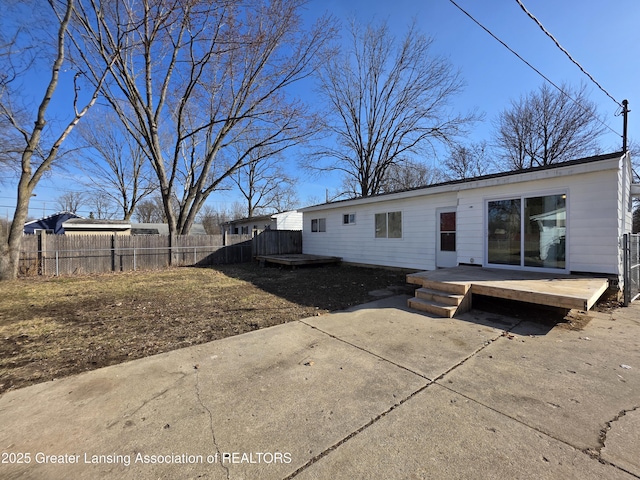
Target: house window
[(245, 230), (388, 225), (319, 225), (349, 219), (448, 231)]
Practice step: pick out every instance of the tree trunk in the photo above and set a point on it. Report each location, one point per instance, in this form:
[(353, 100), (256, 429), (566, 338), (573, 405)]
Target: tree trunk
[(9, 259), (10, 250)]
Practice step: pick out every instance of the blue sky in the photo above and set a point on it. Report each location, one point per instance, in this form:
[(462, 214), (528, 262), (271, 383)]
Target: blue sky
[(599, 35), (602, 36)]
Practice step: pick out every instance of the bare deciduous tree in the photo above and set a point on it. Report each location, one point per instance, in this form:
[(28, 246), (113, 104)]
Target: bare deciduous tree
[(468, 161), (150, 210), (410, 174), (70, 201), (212, 219), (101, 205), (264, 185), (548, 126), (388, 101), (237, 210), (113, 163), (39, 147), (191, 78)]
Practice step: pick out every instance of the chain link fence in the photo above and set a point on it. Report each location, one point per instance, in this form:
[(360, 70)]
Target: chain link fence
[(631, 258)]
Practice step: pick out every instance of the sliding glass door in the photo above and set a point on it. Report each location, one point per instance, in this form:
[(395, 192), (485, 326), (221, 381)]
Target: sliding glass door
[(504, 232), (527, 231)]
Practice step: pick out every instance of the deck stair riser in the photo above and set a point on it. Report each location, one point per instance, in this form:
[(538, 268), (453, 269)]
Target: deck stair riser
[(443, 299), (439, 296), (434, 308), (455, 288)]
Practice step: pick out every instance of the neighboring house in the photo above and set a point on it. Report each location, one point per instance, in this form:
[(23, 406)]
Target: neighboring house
[(90, 226), (121, 227), (290, 220), (564, 218), (51, 224), (162, 229)]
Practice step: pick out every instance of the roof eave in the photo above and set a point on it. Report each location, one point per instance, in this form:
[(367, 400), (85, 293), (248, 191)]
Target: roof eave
[(586, 164)]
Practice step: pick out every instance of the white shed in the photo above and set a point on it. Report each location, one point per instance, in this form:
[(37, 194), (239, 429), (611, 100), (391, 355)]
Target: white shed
[(564, 218)]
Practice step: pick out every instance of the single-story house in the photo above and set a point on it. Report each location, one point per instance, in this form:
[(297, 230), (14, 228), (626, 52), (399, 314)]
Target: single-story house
[(289, 220), (51, 224), (561, 218)]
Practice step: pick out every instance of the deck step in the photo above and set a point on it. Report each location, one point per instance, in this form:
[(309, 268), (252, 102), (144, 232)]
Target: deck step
[(439, 296), (455, 288), (436, 308)]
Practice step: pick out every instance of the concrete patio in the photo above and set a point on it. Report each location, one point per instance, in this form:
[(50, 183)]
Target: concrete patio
[(378, 392)]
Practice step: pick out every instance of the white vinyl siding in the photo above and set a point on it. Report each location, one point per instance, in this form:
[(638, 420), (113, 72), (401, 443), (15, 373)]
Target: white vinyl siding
[(358, 243), (291, 220), (595, 205)]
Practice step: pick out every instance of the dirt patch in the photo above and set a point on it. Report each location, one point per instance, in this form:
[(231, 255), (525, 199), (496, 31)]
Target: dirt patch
[(54, 327), (575, 320), (609, 302)]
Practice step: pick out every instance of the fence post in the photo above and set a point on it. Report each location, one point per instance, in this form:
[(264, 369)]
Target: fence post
[(57, 268), (42, 245), (627, 269), (134, 259), (171, 242), (113, 252)]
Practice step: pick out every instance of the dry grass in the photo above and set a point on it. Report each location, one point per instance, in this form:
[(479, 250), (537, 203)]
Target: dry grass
[(53, 327)]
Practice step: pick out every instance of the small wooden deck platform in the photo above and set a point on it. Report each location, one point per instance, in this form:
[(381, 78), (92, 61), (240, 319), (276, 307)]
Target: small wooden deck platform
[(556, 290), (297, 259)]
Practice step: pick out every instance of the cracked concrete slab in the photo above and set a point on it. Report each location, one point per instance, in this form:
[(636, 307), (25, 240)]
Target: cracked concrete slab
[(293, 389), (426, 345), (441, 434), (289, 389), (568, 384), (622, 441), (123, 409)]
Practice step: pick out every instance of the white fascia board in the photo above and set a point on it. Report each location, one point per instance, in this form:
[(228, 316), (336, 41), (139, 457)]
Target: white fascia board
[(93, 226)]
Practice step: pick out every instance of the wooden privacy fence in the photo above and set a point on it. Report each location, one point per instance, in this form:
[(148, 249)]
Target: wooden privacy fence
[(277, 242), (85, 254)]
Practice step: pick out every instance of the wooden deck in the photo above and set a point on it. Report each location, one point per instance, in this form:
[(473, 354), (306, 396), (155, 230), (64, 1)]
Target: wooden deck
[(298, 259), (446, 285)]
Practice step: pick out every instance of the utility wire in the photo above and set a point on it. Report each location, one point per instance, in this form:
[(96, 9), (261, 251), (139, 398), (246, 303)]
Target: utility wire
[(532, 17), (529, 65)]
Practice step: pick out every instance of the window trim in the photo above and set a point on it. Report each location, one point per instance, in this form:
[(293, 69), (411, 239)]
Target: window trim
[(523, 197), (350, 219), (387, 229), (320, 225)]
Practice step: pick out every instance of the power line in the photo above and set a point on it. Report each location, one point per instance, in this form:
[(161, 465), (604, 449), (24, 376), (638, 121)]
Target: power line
[(532, 17), (530, 66)]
